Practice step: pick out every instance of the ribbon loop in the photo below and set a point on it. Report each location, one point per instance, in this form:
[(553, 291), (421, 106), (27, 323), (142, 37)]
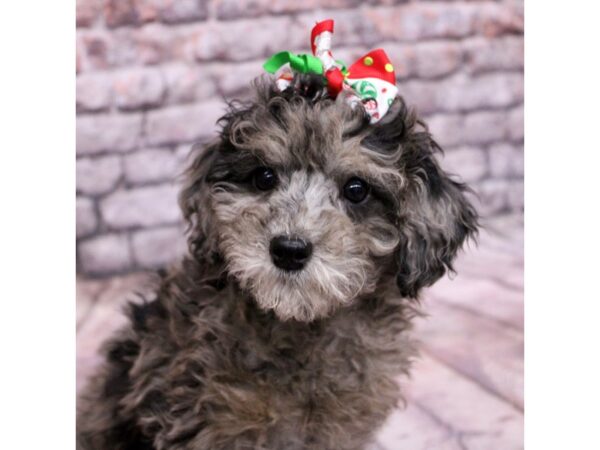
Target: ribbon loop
[(300, 63)]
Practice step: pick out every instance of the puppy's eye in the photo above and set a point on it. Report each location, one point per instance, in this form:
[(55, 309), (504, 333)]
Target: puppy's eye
[(356, 190), (264, 178)]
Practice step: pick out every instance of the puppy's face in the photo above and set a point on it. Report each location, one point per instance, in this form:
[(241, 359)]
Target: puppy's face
[(311, 208)]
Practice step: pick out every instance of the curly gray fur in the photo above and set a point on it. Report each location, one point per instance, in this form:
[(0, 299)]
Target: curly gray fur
[(234, 353)]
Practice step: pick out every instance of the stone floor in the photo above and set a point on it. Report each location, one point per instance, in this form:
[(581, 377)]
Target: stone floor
[(466, 391)]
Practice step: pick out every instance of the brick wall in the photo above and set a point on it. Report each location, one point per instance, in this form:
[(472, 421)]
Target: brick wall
[(151, 76)]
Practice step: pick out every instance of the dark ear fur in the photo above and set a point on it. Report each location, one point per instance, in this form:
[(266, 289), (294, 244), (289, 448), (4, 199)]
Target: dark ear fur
[(206, 164), (433, 234), (194, 200), (435, 217)]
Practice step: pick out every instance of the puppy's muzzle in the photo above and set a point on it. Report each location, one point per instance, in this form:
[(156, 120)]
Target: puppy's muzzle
[(290, 253)]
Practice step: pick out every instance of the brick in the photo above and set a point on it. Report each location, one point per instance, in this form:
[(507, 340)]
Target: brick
[(234, 80), (518, 5), (96, 176), (99, 133), (139, 88), (158, 247), (469, 163), (78, 59), (188, 83), (505, 53), (232, 9), (463, 93), (151, 165), (183, 42), (494, 90), (184, 154), (424, 60), (148, 45), (87, 11), (420, 95), (516, 196), (120, 12), (182, 10), (86, 220), (447, 129), (141, 207), (437, 59), (94, 92), (495, 19), (417, 21), (143, 11), (404, 59), (137, 12), (183, 123), (105, 254), (96, 47), (493, 197), (244, 39), (516, 123), (484, 127), (506, 160)]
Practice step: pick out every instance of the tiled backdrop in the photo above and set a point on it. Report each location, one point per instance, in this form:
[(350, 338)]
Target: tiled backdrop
[(152, 76)]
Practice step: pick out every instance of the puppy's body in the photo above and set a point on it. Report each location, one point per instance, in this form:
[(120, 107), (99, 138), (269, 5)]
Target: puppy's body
[(238, 351), (209, 370)]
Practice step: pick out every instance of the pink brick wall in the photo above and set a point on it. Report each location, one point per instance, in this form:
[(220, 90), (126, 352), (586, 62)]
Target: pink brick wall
[(151, 76)]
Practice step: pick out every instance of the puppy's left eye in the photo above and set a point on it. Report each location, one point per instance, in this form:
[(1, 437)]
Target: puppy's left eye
[(356, 190), (264, 178)]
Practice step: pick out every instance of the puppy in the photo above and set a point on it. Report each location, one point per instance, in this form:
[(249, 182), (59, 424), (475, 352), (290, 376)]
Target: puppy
[(311, 234)]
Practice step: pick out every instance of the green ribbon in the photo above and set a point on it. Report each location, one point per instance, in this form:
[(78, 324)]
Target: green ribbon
[(302, 63)]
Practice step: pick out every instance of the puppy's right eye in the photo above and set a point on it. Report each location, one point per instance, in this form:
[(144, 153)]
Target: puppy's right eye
[(356, 190), (264, 178)]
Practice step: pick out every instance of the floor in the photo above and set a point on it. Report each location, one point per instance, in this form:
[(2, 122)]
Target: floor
[(466, 390)]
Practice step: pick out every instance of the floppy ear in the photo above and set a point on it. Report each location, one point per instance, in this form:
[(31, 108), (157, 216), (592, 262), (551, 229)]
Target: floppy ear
[(194, 201), (436, 219)]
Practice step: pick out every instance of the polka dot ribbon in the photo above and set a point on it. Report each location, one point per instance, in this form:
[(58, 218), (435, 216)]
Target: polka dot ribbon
[(370, 80)]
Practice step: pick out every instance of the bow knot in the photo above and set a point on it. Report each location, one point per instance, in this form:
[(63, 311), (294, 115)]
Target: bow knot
[(370, 80)]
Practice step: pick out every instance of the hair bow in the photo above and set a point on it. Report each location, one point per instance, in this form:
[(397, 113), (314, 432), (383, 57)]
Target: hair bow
[(370, 80)]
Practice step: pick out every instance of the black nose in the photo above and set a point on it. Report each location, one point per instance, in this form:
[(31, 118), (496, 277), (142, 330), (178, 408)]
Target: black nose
[(290, 253)]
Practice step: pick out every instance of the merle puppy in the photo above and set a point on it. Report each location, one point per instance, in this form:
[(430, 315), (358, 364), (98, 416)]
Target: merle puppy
[(311, 234)]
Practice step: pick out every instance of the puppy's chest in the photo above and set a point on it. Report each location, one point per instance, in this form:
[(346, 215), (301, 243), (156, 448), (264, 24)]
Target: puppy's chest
[(306, 363)]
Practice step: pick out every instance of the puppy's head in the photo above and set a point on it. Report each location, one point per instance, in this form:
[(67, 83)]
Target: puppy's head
[(308, 207)]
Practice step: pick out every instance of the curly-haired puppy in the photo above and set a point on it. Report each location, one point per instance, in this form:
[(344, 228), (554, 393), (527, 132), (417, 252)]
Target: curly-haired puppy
[(311, 232)]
